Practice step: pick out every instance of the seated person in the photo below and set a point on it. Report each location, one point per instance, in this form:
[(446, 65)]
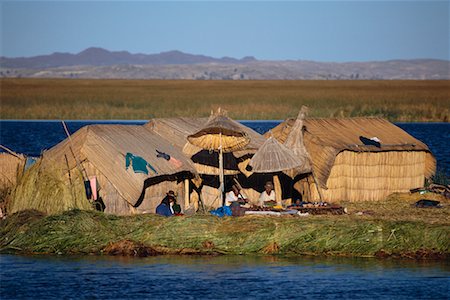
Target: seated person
[(165, 208), (297, 203), (176, 208), (234, 195), (267, 197)]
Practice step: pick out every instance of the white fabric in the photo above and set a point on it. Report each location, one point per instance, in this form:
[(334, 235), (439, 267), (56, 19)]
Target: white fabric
[(266, 197), (231, 197)]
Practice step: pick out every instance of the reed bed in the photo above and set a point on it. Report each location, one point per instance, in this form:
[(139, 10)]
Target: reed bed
[(145, 99), (383, 231)]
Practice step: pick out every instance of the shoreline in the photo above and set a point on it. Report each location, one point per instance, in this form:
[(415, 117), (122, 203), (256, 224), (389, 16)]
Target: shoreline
[(79, 232)]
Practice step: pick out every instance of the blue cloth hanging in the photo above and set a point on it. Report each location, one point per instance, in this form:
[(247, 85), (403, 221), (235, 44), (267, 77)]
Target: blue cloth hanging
[(138, 163)]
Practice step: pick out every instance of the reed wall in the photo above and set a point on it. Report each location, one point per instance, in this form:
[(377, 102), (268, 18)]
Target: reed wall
[(372, 176)]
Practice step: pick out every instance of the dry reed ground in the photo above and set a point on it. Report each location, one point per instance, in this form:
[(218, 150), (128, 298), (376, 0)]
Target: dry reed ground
[(392, 227), (410, 100)]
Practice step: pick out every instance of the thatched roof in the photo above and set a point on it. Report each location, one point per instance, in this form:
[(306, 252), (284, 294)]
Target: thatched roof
[(105, 146), (10, 166), (294, 142), (176, 131), (274, 157), (324, 139), (220, 132)]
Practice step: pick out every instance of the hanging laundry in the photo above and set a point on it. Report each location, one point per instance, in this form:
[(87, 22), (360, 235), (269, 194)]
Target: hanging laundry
[(88, 190), (139, 164), (163, 155), (93, 183), (175, 162)]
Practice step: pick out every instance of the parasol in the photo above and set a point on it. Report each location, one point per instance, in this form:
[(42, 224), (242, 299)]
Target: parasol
[(220, 134), (274, 157)]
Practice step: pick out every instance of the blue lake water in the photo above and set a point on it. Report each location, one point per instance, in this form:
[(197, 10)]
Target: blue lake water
[(57, 277), (90, 277), (32, 137)]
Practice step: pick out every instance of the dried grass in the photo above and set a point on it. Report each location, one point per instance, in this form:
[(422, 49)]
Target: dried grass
[(411, 100), (47, 190)]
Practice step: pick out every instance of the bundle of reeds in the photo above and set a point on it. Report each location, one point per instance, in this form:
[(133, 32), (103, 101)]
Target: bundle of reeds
[(48, 189)]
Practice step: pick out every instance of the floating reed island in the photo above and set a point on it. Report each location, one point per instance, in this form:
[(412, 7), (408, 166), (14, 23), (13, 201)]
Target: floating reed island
[(126, 170)]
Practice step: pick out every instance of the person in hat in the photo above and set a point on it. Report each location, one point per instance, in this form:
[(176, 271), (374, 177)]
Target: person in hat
[(165, 208), (267, 197)]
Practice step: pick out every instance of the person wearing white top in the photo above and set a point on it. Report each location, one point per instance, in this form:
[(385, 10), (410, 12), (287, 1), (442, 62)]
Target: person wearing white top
[(267, 195), (233, 195)]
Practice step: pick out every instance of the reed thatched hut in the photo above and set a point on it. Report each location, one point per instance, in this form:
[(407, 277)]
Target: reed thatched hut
[(176, 131), (360, 159), (57, 182), (11, 166)]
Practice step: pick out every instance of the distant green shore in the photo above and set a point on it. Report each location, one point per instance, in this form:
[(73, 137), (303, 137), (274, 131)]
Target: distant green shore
[(395, 100), (423, 235)]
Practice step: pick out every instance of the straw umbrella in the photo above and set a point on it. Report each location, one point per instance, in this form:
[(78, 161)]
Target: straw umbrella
[(220, 134), (274, 157)]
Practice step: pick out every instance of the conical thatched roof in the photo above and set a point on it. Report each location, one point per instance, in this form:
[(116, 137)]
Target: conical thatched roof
[(295, 143), (274, 157), (220, 131)]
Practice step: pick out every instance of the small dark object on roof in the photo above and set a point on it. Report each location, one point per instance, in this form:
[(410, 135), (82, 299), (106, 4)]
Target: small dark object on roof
[(370, 142), (424, 203), (163, 155)]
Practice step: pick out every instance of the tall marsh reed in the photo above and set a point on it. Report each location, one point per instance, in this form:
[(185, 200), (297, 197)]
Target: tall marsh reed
[(144, 99)]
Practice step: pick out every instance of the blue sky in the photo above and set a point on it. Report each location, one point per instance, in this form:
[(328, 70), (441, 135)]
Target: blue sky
[(275, 30)]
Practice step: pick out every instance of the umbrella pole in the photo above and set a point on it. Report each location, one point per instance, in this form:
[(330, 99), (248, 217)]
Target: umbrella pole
[(222, 188)]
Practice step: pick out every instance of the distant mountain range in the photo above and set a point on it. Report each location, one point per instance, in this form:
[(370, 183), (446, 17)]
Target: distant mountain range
[(101, 63)]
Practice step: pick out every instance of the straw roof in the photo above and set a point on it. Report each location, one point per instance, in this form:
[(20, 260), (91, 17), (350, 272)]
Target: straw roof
[(324, 139), (220, 132), (105, 147), (10, 167), (294, 141), (176, 131), (274, 157)]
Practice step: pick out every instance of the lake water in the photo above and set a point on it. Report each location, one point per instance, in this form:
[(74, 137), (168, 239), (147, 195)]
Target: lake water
[(32, 137), (57, 277), (231, 277)]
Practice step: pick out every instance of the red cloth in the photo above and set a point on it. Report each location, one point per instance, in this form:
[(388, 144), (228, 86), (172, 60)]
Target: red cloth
[(175, 162)]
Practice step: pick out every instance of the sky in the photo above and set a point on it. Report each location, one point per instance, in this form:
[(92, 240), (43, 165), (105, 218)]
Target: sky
[(269, 30)]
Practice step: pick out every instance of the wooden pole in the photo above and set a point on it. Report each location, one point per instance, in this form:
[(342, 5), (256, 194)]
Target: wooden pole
[(277, 187), (317, 186), (186, 193), (11, 152), (79, 165), (222, 187)]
